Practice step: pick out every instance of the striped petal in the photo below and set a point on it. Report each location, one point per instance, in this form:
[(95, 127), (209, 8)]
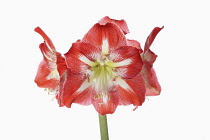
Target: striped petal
[(81, 56), (46, 77), (46, 39), (67, 92), (135, 44), (148, 72), (127, 60), (151, 37), (106, 106), (61, 63), (107, 37), (151, 81), (131, 91), (121, 23)]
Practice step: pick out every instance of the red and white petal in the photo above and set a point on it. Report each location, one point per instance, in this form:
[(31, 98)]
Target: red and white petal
[(46, 77), (151, 81), (62, 81), (131, 91), (151, 37), (61, 63), (135, 44), (149, 57), (47, 54), (127, 61), (81, 56), (46, 39), (84, 94), (105, 36), (121, 23), (72, 88), (107, 104)]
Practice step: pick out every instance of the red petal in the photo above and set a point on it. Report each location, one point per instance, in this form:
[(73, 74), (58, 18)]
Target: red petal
[(134, 93), (149, 57), (68, 92), (47, 54), (41, 77), (61, 64), (121, 23), (151, 81), (108, 107), (110, 32), (85, 97), (151, 37), (78, 53), (62, 81), (135, 44), (127, 53), (46, 38), (150, 78)]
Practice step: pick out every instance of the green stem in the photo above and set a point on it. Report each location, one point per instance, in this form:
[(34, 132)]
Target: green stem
[(103, 127)]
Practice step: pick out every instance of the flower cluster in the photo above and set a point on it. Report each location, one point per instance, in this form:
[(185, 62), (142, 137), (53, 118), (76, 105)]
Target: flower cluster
[(103, 68)]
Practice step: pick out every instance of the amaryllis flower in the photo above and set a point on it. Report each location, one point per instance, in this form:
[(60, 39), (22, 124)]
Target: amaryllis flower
[(51, 67), (104, 70), (152, 85)]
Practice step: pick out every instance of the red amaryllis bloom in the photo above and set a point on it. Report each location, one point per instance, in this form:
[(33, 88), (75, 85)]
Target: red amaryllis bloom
[(148, 72), (104, 68), (105, 71), (148, 57), (51, 67)]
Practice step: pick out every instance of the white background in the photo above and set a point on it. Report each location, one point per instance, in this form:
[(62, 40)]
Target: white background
[(181, 112)]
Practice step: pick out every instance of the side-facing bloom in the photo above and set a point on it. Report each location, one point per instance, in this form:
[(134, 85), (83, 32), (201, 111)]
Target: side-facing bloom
[(104, 70), (152, 85), (51, 67)]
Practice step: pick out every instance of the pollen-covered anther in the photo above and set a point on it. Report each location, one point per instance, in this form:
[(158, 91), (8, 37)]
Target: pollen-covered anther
[(103, 96), (50, 91), (98, 96)]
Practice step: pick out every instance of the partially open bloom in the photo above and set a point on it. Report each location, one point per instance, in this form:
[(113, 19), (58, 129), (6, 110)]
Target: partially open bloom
[(103, 68), (51, 67), (148, 72)]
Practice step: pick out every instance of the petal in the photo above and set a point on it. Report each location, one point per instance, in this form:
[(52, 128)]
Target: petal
[(60, 92), (46, 39), (50, 57), (106, 107), (135, 44), (45, 77), (81, 56), (85, 96), (105, 35), (121, 23), (151, 81), (149, 57), (61, 64), (131, 91), (128, 61), (69, 89), (151, 37)]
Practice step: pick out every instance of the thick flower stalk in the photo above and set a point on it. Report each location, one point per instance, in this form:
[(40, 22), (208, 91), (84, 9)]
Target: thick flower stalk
[(104, 68)]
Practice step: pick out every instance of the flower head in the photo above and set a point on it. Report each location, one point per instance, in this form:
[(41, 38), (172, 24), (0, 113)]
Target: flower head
[(103, 68), (51, 67), (148, 72)]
